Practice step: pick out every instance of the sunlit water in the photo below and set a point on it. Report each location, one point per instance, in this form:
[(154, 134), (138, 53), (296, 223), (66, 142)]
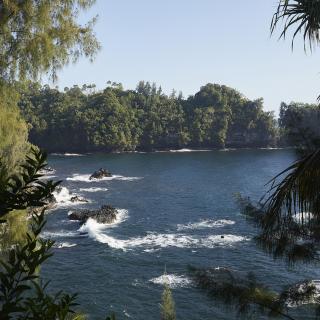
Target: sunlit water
[(173, 209)]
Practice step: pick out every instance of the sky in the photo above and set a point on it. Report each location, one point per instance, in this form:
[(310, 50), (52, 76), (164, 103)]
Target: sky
[(185, 44)]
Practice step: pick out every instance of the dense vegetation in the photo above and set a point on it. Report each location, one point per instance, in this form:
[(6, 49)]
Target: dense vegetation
[(82, 120), (299, 123)]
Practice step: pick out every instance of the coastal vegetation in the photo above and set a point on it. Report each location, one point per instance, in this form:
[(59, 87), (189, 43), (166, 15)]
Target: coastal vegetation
[(114, 119)]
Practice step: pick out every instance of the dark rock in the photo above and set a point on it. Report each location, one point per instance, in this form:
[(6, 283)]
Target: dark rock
[(99, 174), (78, 199), (106, 214)]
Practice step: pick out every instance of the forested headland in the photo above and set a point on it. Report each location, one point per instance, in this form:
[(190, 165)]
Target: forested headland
[(81, 119)]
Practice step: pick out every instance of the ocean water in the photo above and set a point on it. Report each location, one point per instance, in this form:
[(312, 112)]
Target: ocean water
[(173, 208)]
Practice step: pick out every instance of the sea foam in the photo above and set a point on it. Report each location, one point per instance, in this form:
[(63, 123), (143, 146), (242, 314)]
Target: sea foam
[(86, 178), (68, 154), (172, 280), (63, 197), (190, 150), (61, 245), (98, 232), (205, 224), (93, 189)]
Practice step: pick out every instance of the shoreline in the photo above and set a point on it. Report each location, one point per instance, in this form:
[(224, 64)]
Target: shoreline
[(182, 150)]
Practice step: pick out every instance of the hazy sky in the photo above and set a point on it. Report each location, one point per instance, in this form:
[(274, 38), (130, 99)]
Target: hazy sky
[(184, 44)]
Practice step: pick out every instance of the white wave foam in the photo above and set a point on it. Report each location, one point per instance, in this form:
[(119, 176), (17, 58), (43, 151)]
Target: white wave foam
[(92, 227), (86, 178), (303, 288), (93, 189), (68, 154), (58, 234), (205, 224), (63, 197), (190, 150), (172, 280), (64, 245), (47, 177), (155, 240)]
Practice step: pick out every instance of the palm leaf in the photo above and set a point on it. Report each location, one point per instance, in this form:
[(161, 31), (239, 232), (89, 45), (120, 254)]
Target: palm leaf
[(303, 15)]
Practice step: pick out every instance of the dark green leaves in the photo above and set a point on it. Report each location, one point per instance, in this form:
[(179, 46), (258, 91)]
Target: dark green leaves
[(303, 16), (25, 190)]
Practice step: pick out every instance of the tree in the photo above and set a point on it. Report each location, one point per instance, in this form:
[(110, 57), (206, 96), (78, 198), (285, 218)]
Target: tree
[(303, 16), (38, 36), (168, 311)]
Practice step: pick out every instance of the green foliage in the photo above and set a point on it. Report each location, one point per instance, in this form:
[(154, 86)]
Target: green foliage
[(114, 119), (299, 125), (168, 311), (25, 190), (13, 131), (39, 36), (22, 296)]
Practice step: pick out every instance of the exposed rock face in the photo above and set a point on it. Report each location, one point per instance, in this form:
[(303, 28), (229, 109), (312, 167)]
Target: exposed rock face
[(106, 214), (78, 199), (99, 174)]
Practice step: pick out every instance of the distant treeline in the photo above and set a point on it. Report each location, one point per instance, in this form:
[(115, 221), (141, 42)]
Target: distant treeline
[(114, 119), (299, 125)]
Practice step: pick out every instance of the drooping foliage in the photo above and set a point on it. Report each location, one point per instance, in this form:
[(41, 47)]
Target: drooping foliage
[(13, 136), (38, 36), (302, 16), (81, 119), (22, 294)]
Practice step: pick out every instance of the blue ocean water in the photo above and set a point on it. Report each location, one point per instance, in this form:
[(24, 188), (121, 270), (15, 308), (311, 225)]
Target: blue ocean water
[(173, 209)]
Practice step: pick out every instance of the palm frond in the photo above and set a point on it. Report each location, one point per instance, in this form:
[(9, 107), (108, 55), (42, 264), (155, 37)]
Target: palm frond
[(303, 15)]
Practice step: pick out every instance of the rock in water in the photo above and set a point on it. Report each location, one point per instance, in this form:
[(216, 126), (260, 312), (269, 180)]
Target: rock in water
[(106, 214), (78, 199), (99, 174)]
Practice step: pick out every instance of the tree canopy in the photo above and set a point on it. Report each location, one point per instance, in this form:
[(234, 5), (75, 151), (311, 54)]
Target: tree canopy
[(114, 119), (38, 36)]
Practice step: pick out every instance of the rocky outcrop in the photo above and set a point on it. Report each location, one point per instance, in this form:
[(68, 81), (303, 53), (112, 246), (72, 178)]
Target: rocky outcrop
[(78, 199), (99, 174), (106, 214)]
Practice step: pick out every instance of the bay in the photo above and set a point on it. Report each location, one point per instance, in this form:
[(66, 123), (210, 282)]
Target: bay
[(174, 207)]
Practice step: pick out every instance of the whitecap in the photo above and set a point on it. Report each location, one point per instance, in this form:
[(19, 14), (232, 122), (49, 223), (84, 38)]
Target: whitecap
[(48, 177), (190, 150), (93, 189), (86, 178), (172, 280), (155, 240), (61, 245), (205, 224), (68, 154), (63, 197), (59, 234)]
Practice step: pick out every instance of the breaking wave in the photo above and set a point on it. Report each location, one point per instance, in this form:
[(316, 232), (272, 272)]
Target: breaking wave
[(172, 280), (93, 189), (68, 154), (63, 197), (62, 245), (205, 224), (59, 234), (190, 150), (97, 232), (86, 178)]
